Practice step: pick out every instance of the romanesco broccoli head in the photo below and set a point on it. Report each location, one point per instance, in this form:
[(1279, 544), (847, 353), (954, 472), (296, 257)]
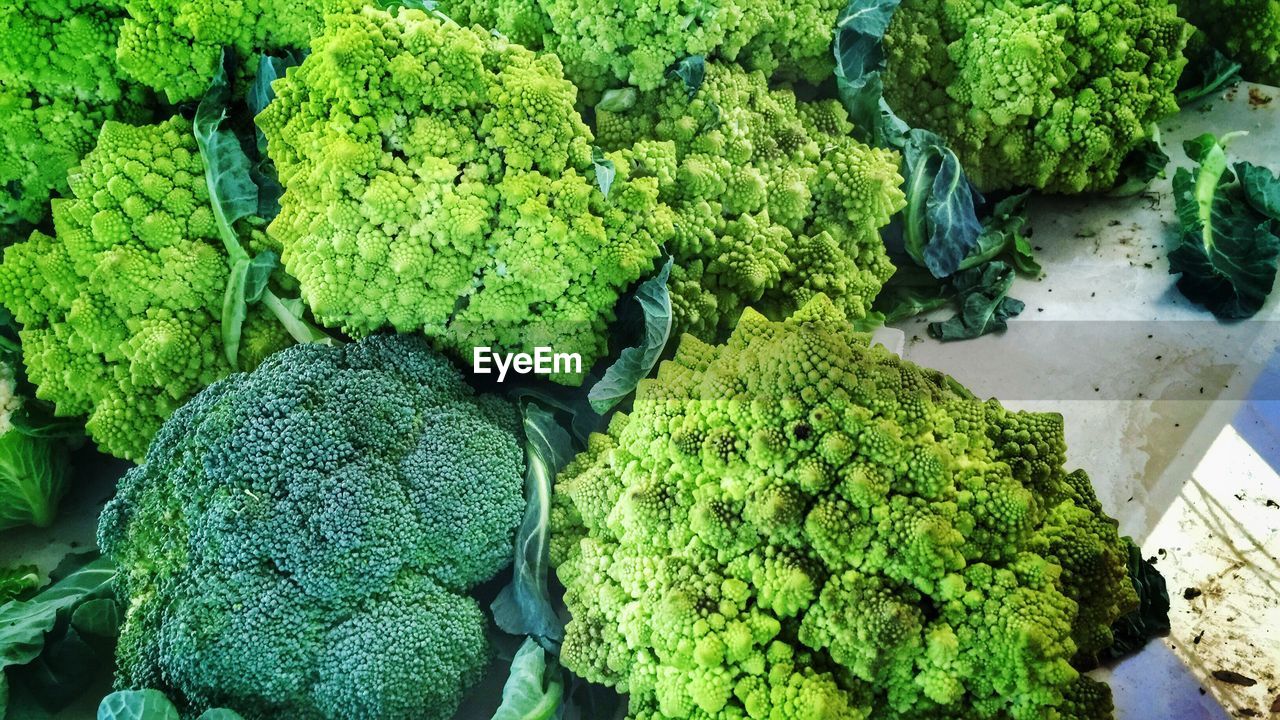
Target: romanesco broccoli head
[(636, 42), (300, 540), (796, 525), (120, 310), (58, 84), (774, 200), (1029, 93), (1248, 31), (176, 46), (438, 178)]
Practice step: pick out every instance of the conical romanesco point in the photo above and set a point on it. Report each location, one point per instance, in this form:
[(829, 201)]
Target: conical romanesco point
[(1047, 95), (774, 200), (121, 310), (439, 179), (796, 525)]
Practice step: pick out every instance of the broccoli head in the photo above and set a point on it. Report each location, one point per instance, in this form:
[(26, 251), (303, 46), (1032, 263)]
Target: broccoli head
[(300, 540), (120, 311), (438, 178), (1031, 93), (58, 84), (1246, 30), (774, 200), (796, 525), (176, 46)]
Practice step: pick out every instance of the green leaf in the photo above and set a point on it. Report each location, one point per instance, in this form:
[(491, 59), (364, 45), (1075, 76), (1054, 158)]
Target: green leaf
[(1229, 244), (232, 192), (985, 305), (245, 286), (940, 222), (23, 623), (692, 70), (1144, 163), (97, 618), (912, 291), (137, 705), (534, 688), (1261, 189), (860, 62), (1207, 72), (524, 607), (1150, 619), (617, 100), (635, 363), (1002, 238), (220, 714), (17, 581), (63, 670), (605, 171), (33, 478), (261, 93)]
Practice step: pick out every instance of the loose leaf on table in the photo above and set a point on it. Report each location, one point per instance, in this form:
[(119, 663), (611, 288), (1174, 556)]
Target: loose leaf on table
[(24, 623), (635, 363), (524, 607), (911, 291), (985, 305), (534, 688), (860, 62), (1207, 72), (1151, 618), (1141, 166), (1229, 241), (1002, 238)]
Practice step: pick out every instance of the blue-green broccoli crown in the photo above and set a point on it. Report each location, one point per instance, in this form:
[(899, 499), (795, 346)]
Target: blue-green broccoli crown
[(1030, 93), (796, 526), (299, 540)]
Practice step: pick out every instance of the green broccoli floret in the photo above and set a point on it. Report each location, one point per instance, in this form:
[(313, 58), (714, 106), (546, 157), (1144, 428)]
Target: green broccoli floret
[(33, 469), (774, 200), (121, 310), (438, 178), (1248, 31), (300, 540), (1031, 93), (603, 45), (176, 46), (58, 84), (797, 525)]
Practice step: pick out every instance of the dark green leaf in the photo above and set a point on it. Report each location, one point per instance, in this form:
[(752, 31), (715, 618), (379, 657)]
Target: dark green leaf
[(1261, 189), (23, 623), (691, 70), (1144, 163), (1207, 72), (1151, 618), (860, 62), (985, 305), (617, 100), (137, 705), (940, 223), (233, 194), (605, 171), (1228, 248), (1002, 238), (97, 618), (245, 285), (524, 607), (63, 670), (534, 688), (911, 291), (259, 272), (1199, 148), (270, 69), (635, 363), (220, 714)]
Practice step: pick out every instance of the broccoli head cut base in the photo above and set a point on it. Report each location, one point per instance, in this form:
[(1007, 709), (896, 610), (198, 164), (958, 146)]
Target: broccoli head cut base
[(300, 540), (796, 525)]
